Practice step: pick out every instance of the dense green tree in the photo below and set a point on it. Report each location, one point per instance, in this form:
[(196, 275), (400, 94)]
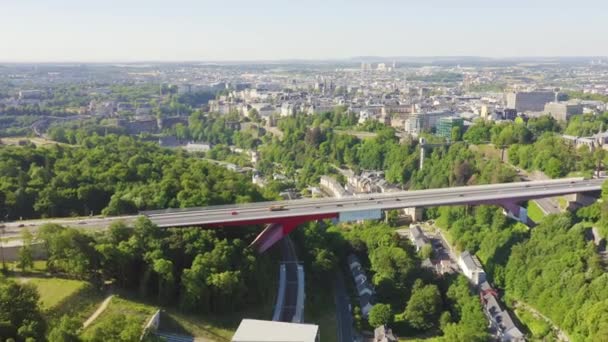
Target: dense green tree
[(586, 125), (559, 273), (26, 256), (469, 321), (479, 133), (20, 315), (118, 327), (379, 315), (424, 306), (113, 175), (166, 282), (65, 331), (456, 134), (542, 124), (68, 250), (552, 155)]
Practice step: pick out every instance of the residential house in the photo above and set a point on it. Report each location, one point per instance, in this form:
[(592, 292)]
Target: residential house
[(417, 237), (384, 334), (499, 319), (471, 267), (365, 290)]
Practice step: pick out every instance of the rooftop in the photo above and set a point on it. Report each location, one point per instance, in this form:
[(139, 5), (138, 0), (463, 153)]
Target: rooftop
[(470, 261), (251, 330)]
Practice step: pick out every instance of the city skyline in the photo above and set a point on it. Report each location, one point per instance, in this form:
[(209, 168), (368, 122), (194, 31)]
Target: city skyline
[(112, 31)]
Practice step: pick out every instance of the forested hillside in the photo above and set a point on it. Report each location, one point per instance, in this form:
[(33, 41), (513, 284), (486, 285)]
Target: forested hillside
[(313, 150), (559, 273), (111, 175), (187, 269)]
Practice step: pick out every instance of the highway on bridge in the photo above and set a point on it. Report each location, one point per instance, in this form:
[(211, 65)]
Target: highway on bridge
[(260, 212)]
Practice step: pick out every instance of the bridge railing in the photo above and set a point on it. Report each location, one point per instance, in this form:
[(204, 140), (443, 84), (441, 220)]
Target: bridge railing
[(281, 293), (298, 317)]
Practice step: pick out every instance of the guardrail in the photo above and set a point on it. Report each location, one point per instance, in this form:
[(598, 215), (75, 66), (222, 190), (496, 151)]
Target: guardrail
[(152, 325), (281, 293), (298, 317)]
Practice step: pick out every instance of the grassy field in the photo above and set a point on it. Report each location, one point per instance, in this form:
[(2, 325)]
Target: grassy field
[(58, 297), (358, 134), (221, 327), (563, 202), (79, 306), (215, 327), (488, 150), (127, 307), (36, 140), (534, 212), (53, 291), (537, 327)]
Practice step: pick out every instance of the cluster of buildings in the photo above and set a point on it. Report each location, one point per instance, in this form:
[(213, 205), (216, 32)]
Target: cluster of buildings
[(332, 186), (499, 319), (595, 141), (369, 182), (413, 99), (365, 289)]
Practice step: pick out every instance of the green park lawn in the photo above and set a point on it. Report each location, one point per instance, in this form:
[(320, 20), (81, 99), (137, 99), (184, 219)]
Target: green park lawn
[(563, 203), (488, 150), (534, 212), (54, 291), (218, 327), (58, 296), (130, 308), (539, 329)]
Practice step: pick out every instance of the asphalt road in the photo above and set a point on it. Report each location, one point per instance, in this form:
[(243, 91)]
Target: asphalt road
[(291, 289), (548, 205), (344, 317), (259, 212), (13, 229)]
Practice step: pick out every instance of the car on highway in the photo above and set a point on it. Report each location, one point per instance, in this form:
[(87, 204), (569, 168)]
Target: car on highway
[(234, 213), (276, 207)]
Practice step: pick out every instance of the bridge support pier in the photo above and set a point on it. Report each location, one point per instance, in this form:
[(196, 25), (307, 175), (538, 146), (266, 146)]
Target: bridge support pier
[(276, 231), (517, 212), (271, 235), (416, 213)]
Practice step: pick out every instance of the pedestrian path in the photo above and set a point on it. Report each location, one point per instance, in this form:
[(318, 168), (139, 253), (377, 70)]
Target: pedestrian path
[(97, 312)]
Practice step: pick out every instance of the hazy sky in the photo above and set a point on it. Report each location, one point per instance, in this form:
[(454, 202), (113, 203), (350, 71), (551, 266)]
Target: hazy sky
[(132, 30)]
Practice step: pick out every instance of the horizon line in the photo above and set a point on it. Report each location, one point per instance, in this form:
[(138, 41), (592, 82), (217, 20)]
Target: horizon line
[(354, 59)]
